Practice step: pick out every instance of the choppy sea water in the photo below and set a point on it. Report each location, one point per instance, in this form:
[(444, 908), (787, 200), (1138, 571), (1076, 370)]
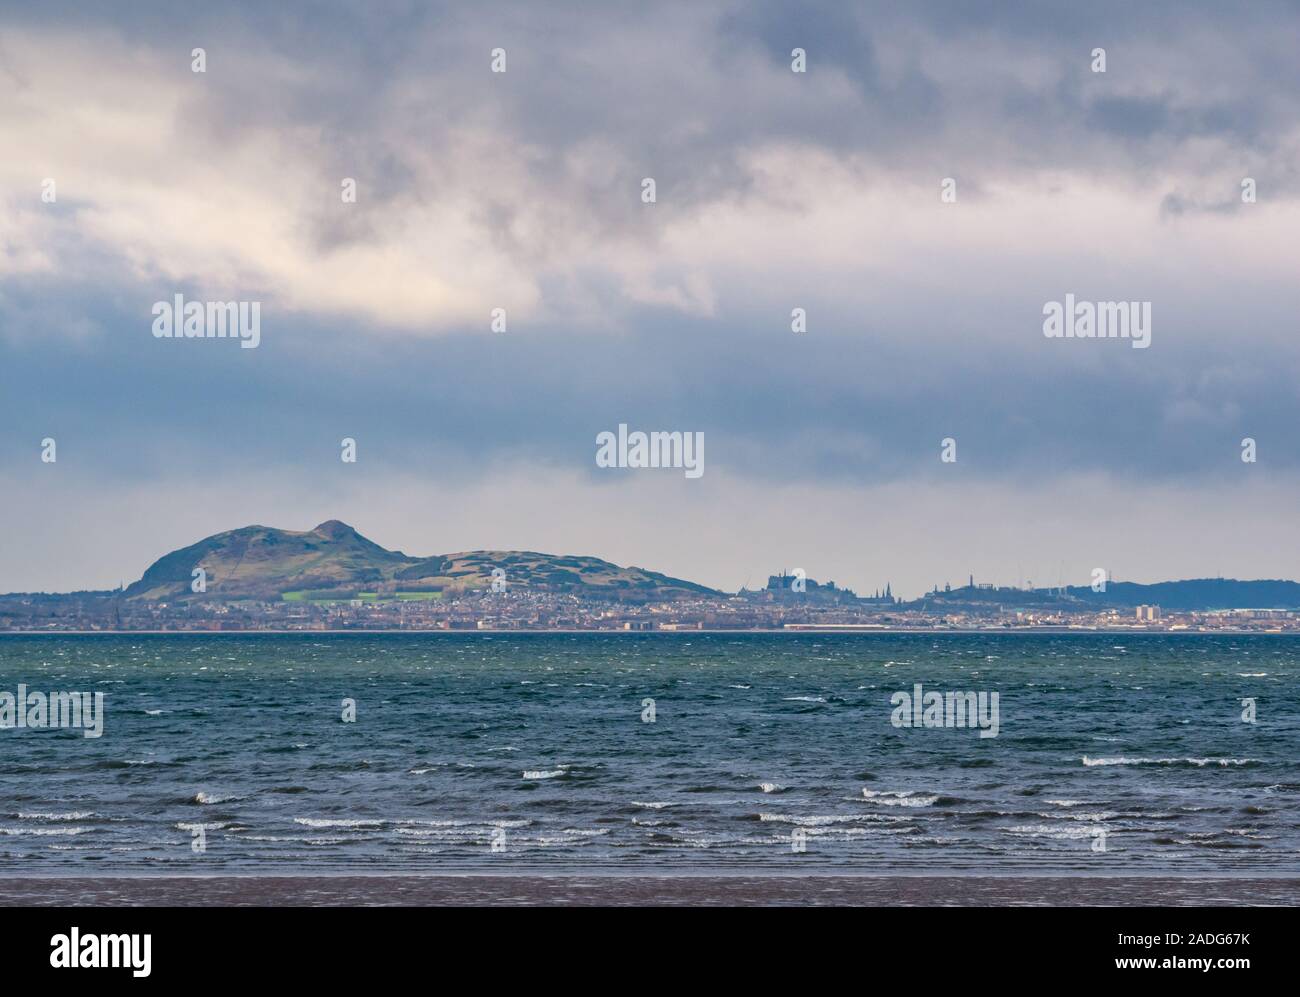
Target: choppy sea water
[(1116, 755)]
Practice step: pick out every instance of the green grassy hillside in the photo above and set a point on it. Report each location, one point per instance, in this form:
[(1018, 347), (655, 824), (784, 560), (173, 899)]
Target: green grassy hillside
[(334, 561)]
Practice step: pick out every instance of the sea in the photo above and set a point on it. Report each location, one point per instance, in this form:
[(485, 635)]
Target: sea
[(1116, 754)]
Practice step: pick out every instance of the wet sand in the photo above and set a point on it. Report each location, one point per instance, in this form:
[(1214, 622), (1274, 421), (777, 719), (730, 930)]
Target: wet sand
[(666, 891)]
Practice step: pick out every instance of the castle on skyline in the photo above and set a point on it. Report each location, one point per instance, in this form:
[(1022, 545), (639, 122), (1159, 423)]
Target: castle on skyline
[(797, 582)]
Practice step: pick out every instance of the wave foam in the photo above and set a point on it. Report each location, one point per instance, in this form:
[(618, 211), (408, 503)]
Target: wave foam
[(899, 798), (335, 822), (210, 798), (1198, 762)]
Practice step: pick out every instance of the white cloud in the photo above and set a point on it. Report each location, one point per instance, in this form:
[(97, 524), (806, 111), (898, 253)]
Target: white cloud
[(464, 208)]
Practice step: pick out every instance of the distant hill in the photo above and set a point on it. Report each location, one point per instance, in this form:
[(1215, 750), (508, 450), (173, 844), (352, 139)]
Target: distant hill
[(334, 561), (1187, 595), (1195, 593)]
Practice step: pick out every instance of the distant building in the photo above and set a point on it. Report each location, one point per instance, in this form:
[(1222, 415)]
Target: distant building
[(789, 586), (885, 598), (1149, 614), (785, 582)]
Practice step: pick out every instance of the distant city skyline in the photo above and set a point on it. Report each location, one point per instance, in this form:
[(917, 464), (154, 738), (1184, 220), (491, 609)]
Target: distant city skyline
[(878, 592), (499, 292), (333, 578)]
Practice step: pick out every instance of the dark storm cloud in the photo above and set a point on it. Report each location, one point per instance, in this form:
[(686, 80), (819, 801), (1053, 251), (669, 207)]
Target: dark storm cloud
[(834, 408), (688, 86)]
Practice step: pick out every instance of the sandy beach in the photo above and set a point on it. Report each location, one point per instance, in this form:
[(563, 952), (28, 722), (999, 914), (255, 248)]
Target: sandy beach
[(666, 891)]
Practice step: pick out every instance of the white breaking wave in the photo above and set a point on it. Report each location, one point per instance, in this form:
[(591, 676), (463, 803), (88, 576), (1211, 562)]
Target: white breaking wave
[(543, 773), (209, 798), (1199, 762), (294, 838), (1053, 831), (824, 820), (770, 787), (517, 822), (75, 815), (652, 805), (804, 699), (1089, 815), (335, 822), (901, 798)]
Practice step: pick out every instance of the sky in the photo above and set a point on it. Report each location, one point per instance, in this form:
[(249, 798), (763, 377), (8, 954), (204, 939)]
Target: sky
[(775, 190)]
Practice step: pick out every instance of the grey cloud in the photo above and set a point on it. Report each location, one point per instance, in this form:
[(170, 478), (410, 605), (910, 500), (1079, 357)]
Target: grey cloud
[(683, 92), (599, 95), (851, 402)]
